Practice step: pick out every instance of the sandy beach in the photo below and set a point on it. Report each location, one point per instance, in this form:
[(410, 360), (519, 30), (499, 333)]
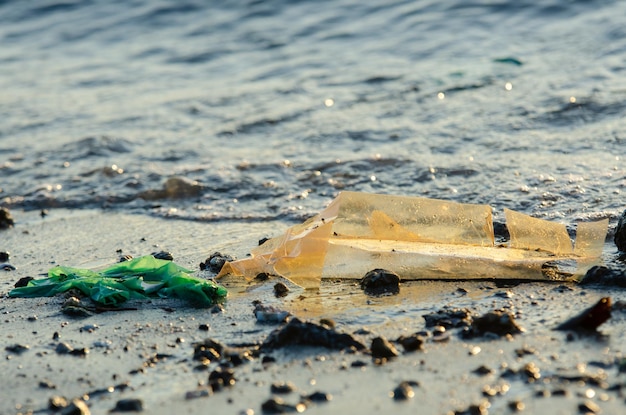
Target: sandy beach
[(144, 357)]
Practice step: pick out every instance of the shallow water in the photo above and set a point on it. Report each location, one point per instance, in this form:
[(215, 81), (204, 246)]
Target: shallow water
[(267, 110)]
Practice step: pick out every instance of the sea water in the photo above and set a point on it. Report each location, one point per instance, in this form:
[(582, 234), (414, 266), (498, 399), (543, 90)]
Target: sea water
[(265, 110)]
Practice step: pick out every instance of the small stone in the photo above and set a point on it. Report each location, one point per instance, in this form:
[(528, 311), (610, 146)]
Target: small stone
[(221, 377), (128, 405), (7, 267), (46, 384), (4, 256), (63, 348), (483, 370), (496, 322), (6, 220), (215, 262), (32, 318), (411, 343), (380, 282), (589, 319), (319, 397), (282, 387), (167, 256), (280, 289), (278, 406), (199, 393), (403, 392), (516, 406), (203, 327), (382, 349), (589, 407), (17, 348)]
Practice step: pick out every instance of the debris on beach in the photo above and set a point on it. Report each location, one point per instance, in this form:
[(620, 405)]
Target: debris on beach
[(420, 238), (6, 220), (590, 319), (494, 323), (215, 262), (382, 349), (380, 282), (139, 278), (601, 275), (299, 333), (269, 314)]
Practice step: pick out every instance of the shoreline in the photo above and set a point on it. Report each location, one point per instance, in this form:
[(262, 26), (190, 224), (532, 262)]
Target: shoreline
[(150, 350)]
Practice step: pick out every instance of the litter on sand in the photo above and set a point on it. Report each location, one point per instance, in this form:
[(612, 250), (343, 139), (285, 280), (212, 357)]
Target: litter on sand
[(138, 278), (421, 238)]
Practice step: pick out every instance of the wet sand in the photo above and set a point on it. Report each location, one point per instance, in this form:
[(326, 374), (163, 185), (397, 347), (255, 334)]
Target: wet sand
[(147, 353)]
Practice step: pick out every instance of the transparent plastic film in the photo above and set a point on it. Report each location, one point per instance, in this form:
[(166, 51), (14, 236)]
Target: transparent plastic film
[(420, 238)]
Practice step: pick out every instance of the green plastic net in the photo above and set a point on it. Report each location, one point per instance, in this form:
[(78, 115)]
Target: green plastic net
[(138, 278)]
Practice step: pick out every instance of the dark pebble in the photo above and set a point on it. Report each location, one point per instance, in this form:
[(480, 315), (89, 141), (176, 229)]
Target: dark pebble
[(167, 256), (483, 370), (382, 349), (4, 256), (63, 348), (280, 289), (495, 322), (46, 384), (589, 407), (278, 406), (319, 397), (209, 349), (620, 233), (602, 275), (7, 267), (203, 327), (358, 363), (449, 318), (282, 387), (589, 319), (6, 220), (215, 262), (411, 343), (262, 276), (380, 282), (17, 348), (403, 391), (23, 282), (263, 240), (297, 332), (129, 405), (32, 318), (221, 377), (516, 406)]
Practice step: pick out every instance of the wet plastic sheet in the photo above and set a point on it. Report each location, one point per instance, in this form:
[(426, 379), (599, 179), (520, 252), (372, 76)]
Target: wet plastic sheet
[(420, 238), (138, 278)]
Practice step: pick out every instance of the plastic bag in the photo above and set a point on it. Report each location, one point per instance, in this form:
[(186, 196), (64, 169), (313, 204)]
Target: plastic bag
[(420, 238), (141, 277)]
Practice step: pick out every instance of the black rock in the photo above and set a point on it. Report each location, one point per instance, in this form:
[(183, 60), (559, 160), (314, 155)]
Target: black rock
[(163, 255), (601, 275), (620, 233), (380, 282), (4, 256), (280, 289), (494, 322), (129, 405), (589, 319), (6, 220), (382, 349), (221, 377), (279, 406), (215, 262), (411, 343), (282, 387), (449, 318), (297, 332), (403, 391)]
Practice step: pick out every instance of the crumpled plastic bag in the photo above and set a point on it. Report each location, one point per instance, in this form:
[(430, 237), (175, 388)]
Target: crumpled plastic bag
[(421, 238), (138, 278)]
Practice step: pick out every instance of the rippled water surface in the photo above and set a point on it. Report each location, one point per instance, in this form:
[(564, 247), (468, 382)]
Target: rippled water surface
[(265, 110)]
